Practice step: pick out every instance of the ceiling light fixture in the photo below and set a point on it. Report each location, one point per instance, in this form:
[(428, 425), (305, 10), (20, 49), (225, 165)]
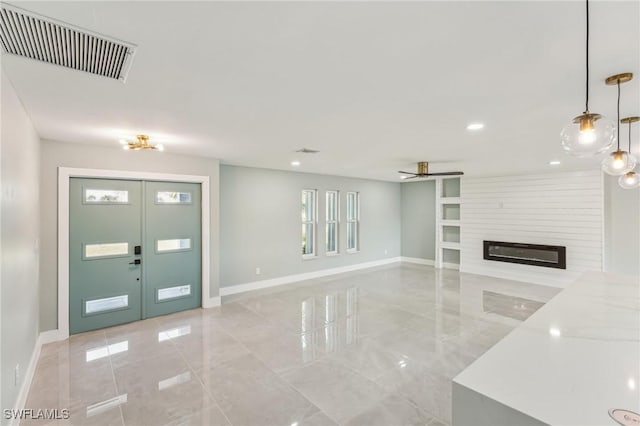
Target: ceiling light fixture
[(475, 126), (619, 162), (295, 163), (142, 143), (554, 163), (630, 179), (588, 134)]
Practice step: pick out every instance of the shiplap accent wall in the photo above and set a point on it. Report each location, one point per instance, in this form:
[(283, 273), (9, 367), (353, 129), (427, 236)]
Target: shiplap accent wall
[(563, 209)]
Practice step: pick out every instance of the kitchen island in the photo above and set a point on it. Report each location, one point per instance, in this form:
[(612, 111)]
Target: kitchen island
[(571, 362)]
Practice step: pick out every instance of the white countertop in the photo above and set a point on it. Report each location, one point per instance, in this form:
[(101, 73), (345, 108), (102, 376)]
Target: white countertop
[(572, 360)]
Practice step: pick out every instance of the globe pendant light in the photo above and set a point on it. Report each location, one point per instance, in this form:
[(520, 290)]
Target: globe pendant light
[(618, 162), (588, 134), (630, 179)]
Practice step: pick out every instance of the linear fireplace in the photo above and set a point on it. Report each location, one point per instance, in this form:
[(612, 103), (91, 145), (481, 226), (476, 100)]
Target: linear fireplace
[(528, 254)]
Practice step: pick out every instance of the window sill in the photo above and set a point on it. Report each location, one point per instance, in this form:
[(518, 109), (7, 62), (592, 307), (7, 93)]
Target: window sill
[(309, 256), (353, 251), (332, 254)]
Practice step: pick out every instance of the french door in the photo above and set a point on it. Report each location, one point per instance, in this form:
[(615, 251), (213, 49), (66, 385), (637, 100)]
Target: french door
[(135, 250)]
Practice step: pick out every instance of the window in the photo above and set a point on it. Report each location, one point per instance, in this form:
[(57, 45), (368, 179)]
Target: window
[(309, 198), (107, 304), (179, 244), (106, 196), (173, 292), (333, 203), (353, 222), (168, 197), (106, 250)]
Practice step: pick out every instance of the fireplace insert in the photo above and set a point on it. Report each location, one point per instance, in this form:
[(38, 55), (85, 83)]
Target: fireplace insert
[(527, 254)]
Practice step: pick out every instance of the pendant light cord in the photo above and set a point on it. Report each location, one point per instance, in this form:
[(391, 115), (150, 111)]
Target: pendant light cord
[(629, 137), (586, 103), (618, 122)]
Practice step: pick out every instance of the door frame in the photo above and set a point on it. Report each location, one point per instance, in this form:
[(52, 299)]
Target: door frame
[(64, 176)]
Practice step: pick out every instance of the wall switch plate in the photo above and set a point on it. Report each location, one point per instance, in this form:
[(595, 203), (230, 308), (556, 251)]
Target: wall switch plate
[(16, 375), (257, 271)]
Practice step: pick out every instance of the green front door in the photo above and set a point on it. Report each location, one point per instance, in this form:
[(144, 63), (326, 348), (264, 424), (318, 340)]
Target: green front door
[(172, 247), (135, 251), (105, 219)]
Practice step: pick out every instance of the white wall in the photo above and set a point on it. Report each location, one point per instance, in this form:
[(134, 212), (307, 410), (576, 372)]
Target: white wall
[(261, 227), (58, 154), (419, 219), (19, 150), (563, 209), (622, 228)]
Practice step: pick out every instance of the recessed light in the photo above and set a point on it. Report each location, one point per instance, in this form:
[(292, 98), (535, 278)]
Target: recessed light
[(555, 332), (554, 162), (295, 163), (403, 177), (475, 126)]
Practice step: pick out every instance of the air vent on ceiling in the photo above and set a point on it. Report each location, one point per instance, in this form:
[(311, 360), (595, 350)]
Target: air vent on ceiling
[(44, 39), (307, 151)]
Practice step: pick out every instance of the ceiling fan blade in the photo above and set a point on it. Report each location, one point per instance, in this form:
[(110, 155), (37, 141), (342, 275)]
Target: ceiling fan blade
[(446, 174), (407, 173), (410, 177)]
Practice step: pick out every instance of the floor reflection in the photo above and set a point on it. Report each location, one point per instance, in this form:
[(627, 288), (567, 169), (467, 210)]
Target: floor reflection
[(514, 307), (375, 344)]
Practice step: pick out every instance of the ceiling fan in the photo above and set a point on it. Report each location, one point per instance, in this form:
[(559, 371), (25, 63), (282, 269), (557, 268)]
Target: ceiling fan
[(423, 171)]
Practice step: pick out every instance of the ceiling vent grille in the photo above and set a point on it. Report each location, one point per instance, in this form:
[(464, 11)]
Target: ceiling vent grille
[(37, 37), (307, 151)]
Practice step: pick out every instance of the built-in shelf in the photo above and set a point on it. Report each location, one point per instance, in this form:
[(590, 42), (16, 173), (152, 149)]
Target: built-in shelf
[(449, 245), (449, 200), (448, 223)]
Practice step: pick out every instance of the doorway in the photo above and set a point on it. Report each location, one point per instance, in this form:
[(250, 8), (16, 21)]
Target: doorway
[(135, 250)]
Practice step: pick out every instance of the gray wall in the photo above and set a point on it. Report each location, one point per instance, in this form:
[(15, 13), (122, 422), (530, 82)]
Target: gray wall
[(57, 154), (19, 153), (419, 220), (260, 213), (622, 228)]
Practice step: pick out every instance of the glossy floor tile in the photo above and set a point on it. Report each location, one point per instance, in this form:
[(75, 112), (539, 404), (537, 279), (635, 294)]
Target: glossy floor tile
[(372, 347)]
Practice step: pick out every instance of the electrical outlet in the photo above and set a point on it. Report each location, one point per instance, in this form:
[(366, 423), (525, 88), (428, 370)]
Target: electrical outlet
[(257, 271), (16, 375)]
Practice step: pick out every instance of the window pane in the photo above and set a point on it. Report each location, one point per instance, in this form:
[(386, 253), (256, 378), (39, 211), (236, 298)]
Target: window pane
[(308, 209), (331, 205), (174, 244), (307, 238), (331, 237), (310, 238), (105, 196), (104, 250), (168, 197), (174, 292), (309, 206), (107, 304), (351, 206), (351, 235), (304, 238)]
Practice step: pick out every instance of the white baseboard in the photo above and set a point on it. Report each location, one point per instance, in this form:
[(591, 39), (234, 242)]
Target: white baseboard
[(453, 266), (429, 262), (43, 338), (51, 336), (212, 302), (418, 261), (288, 279)]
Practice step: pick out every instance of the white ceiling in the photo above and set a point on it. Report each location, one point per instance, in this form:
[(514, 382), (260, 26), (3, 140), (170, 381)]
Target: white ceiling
[(374, 86)]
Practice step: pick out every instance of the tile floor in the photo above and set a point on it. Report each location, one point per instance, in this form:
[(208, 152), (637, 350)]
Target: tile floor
[(373, 347)]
